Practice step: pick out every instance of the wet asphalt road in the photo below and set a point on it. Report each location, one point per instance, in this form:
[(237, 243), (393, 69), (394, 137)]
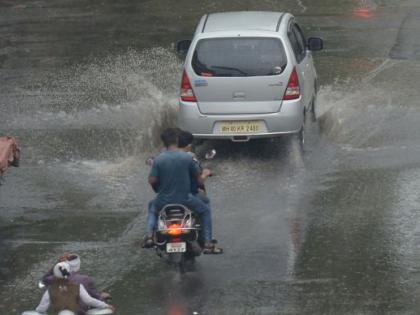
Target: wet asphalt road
[(88, 85)]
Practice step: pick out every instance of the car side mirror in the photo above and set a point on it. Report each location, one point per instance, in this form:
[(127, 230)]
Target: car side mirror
[(315, 43), (182, 46)]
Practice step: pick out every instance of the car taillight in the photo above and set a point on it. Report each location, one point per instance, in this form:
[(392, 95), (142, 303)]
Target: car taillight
[(187, 93), (293, 89)]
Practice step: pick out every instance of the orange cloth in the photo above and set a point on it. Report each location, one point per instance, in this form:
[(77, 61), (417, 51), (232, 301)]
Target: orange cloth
[(9, 151)]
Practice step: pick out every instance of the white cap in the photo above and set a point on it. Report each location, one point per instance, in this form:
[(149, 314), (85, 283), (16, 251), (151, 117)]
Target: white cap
[(61, 270), (74, 263)]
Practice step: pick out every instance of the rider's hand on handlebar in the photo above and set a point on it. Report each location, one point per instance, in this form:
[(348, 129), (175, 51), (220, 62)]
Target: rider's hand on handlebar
[(206, 173)]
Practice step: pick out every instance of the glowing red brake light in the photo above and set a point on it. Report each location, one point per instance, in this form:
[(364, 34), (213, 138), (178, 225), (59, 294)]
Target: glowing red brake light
[(293, 89), (174, 229), (187, 93)]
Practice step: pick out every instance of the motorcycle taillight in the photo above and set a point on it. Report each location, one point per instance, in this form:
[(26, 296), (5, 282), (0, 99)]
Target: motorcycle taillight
[(174, 229)]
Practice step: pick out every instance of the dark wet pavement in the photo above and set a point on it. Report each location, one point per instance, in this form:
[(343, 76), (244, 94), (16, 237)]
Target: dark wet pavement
[(87, 86)]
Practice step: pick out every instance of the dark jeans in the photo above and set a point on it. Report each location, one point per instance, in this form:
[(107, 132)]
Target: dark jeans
[(194, 203)]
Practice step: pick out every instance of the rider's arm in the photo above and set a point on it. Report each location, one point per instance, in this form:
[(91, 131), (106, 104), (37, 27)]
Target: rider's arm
[(88, 300), (195, 172), (154, 182), (200, 180), (200, 170), (44, 304), (154, 176), (91, 288)]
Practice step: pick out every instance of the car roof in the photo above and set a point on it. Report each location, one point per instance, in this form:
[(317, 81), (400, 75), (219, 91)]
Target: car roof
[(242, 20)]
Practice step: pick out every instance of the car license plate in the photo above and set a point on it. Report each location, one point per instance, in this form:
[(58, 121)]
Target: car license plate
[(176, 247), (233, 127)]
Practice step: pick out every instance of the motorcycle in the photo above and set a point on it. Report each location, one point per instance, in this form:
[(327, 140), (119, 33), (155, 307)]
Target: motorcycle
[(177, 237)]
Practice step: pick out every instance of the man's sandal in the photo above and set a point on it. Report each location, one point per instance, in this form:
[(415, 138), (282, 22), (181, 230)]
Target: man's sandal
[(212, 249), (148, 242)]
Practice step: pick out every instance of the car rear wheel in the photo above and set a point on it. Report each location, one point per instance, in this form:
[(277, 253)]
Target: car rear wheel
[(312, 108), (301, 135)]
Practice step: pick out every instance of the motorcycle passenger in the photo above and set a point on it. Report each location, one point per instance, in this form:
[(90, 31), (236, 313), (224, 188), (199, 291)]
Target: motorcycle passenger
[(74, 262), (63, 294), (185, 143), (170, 177)]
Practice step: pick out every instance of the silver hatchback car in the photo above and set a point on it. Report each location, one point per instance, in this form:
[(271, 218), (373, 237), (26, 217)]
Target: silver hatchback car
[(247, 75)]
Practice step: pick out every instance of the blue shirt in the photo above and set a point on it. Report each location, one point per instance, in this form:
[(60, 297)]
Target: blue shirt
[(176, 170)]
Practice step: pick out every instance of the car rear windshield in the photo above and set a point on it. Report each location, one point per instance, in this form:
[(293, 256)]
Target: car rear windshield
[(239, 57)]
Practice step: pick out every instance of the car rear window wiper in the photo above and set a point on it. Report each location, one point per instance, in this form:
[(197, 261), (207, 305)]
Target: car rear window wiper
[(230, 68)]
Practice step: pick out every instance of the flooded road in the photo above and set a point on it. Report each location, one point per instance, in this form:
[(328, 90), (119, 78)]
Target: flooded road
[(87, 87)]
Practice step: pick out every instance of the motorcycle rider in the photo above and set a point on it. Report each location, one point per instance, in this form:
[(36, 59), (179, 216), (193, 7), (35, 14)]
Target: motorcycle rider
[(63, 294), (170, 177), (74, 262), (185, 143)]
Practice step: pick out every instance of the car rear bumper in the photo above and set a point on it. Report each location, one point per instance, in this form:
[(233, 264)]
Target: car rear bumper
[(287, 121)]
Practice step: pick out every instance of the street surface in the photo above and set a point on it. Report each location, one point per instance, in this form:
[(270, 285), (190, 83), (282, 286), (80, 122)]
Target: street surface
[(87, 86)]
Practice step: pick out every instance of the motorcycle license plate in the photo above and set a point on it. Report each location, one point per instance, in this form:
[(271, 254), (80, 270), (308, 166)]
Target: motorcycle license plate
[(176, 247)]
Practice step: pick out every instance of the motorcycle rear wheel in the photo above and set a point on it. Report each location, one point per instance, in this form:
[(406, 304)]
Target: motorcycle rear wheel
[(177, 260)]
